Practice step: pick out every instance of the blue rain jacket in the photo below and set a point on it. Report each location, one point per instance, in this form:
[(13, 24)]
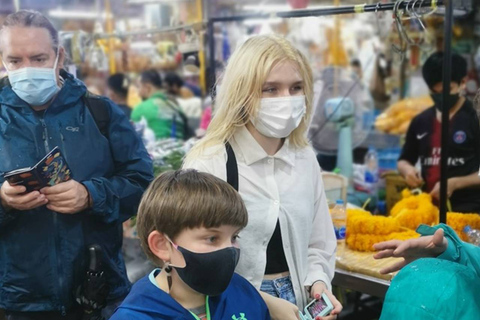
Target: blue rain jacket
[(43, 253)]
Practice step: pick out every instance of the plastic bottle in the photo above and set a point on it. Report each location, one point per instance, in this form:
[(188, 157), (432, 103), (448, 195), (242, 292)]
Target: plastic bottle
[(339, 218), (473, 235), (371, 171)]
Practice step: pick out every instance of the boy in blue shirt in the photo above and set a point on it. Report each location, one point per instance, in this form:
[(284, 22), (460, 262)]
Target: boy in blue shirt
[(188, 223)]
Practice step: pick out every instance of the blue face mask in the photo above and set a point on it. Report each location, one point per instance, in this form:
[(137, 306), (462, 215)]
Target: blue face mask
[(35, 86)]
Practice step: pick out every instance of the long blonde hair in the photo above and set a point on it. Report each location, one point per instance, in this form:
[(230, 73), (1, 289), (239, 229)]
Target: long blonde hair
[(240, 92)]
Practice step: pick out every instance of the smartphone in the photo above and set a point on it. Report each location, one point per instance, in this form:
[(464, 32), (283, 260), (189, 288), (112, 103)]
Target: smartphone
[(321, 307)]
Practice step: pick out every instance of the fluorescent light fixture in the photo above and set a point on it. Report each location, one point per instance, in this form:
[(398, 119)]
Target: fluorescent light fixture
[(142, 45), (254, 22), (71, 14), (157, 1), (275, 7)]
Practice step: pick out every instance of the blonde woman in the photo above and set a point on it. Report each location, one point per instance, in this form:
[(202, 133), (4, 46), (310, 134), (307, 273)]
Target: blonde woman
[(262, 112)]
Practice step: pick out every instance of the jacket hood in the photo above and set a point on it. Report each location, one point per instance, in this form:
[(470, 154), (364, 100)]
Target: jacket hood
[(146, 298), (433, 289)]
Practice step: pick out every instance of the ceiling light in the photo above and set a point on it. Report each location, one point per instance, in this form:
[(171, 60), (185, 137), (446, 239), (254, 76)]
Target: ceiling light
[(64, 14), (157, 1)]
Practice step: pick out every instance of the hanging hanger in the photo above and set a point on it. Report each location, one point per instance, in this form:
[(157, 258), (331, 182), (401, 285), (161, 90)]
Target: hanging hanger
[(398, 24), (377, 20)]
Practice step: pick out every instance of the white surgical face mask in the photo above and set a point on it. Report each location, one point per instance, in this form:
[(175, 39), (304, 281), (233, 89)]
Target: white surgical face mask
[(35, 86), (278, 117)]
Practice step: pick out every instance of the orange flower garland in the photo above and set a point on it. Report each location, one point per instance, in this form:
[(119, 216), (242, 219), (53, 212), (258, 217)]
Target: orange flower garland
[(458, 221), (362, 222), (365, 242), (414, 210), (364, 229)]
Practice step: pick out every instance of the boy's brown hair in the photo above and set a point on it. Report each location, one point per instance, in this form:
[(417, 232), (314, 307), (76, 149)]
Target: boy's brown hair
[(187, 199)]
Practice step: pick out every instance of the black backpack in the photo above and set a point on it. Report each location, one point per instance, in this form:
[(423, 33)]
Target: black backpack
[(99, 110)]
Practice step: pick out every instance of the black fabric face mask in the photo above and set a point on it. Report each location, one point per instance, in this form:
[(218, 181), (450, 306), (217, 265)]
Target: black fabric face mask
[(208, 273), (438, 100)]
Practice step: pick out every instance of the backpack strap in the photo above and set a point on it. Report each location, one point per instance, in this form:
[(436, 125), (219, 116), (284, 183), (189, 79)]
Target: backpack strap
[(232, 167), (99, 110), (187, 131)]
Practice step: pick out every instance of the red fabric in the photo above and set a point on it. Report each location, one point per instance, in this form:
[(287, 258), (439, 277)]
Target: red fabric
[(206, 118), (433, 173)]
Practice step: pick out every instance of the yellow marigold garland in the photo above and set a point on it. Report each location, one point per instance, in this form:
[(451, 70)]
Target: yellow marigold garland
[(414, 210), (365, 242), (364, 229), (458, 221), (360, 221)]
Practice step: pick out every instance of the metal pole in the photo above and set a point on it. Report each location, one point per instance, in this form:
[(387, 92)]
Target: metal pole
[(201, 51), (211, 57), (111, 44), (447, 75), (328, 11)]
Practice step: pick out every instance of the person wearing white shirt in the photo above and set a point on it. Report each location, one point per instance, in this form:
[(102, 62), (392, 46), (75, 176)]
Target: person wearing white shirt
[(263, 110)]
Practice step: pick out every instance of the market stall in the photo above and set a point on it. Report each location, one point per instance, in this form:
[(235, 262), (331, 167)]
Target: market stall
[(366, 61), (356, 269)]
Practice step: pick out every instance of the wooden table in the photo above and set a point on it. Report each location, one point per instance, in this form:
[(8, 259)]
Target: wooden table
[(360, 283), (358, 271)]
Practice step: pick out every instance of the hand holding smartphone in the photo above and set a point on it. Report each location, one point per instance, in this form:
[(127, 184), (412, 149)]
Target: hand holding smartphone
[(321, 307)]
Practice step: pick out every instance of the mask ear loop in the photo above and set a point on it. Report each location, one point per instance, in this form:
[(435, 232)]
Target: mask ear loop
[(57, 58), (56, 64), (168, 265), (5, 65)]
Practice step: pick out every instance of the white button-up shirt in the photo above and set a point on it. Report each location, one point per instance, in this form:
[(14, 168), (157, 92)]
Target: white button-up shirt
[(287, 187)]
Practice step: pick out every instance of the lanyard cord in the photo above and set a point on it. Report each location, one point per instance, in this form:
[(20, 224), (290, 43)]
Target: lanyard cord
[(207, 309)]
